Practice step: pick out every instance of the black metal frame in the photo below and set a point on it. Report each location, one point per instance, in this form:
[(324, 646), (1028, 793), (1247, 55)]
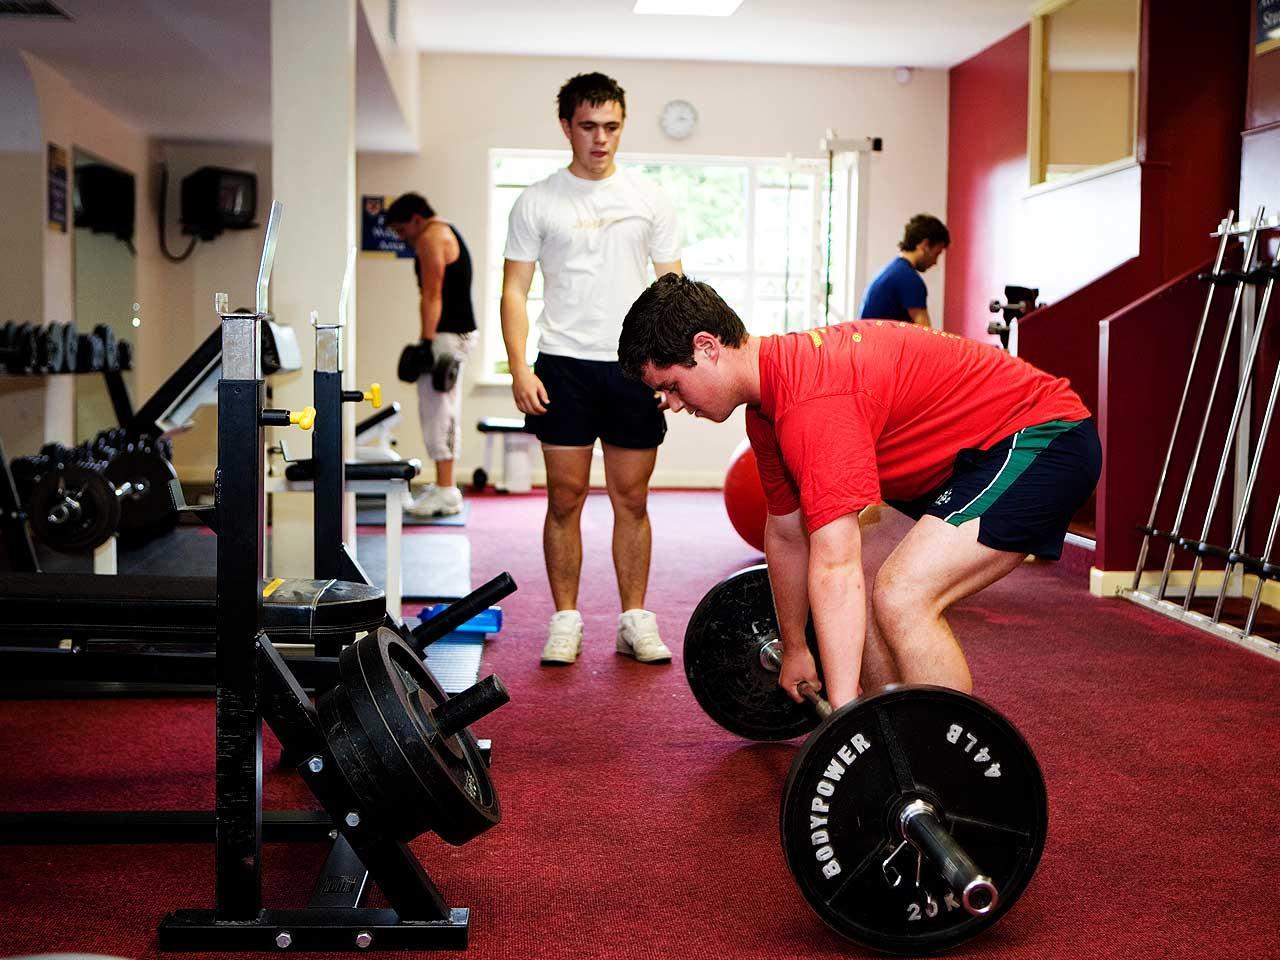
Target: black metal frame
[(253, 683)]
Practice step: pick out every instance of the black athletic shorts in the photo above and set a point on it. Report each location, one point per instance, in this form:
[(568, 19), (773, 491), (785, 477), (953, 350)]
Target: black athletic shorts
[(590, 399), (1023, 491)]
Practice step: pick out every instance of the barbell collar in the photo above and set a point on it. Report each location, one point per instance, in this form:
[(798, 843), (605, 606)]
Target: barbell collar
[(477, 701), (922, 827)]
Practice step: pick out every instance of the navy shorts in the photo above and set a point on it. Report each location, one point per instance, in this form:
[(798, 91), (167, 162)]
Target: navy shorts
[(590, 399), (1023, 491)]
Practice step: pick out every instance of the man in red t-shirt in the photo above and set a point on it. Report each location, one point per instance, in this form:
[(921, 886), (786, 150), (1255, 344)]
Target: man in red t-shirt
[(990, 455)]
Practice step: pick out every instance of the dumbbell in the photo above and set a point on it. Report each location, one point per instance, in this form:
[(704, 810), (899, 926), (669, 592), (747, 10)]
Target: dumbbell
[(111, 353), (91, 355), (912, 819), (19, 347)]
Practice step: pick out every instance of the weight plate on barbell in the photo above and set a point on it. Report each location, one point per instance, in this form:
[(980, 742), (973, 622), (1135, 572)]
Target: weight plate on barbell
[(722, 660), (146, 511), (849, 783), (73, 508), (381, 731)]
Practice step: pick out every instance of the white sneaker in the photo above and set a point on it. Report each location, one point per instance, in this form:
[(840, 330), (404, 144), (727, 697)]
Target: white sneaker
[(638, 637), (437, 502), (564, 638)]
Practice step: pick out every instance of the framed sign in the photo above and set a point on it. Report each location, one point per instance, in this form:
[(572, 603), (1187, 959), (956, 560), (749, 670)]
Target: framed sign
[(1266, 35), (375, 237), (57, 181)]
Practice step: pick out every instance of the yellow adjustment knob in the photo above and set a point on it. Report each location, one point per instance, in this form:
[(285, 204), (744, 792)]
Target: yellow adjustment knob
[(374, 395), (304, 418)]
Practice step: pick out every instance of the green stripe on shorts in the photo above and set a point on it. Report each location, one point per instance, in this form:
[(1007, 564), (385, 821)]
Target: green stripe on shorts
[(1027, 444)]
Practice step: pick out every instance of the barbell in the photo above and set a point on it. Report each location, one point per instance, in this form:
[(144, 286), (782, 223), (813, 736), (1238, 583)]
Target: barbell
[(911, 819)]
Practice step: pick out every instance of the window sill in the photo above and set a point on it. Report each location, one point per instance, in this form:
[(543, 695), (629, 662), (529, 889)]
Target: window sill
[(1093, 173)]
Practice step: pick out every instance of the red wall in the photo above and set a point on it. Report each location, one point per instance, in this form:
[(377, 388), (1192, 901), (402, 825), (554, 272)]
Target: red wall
[(1192, 89), (986, 174)]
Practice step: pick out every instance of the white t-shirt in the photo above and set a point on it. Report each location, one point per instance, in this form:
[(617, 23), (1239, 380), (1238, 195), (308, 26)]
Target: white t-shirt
[(593, 240)]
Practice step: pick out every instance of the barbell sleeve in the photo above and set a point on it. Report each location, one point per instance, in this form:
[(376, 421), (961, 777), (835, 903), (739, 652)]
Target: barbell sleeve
[(465, 708), (460, 611), (924, 830)]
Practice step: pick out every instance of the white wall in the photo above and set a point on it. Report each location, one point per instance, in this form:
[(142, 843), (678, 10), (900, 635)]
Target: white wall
[(227, 264), (471, 104)]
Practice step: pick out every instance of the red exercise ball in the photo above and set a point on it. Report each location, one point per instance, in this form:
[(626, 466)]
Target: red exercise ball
[(744, 497)]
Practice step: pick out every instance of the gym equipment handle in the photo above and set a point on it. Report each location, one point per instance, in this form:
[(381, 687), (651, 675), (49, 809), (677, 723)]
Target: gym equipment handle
[(922, 828), (373, 395), (304, 418), (771, 658), (460, 611)]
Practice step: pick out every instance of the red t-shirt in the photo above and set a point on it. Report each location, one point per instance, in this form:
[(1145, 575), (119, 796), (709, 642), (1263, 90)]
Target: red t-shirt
[(859, 412)]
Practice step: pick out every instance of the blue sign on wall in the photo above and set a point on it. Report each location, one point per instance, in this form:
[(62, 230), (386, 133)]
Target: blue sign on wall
[(1266, 35), (375, 237)]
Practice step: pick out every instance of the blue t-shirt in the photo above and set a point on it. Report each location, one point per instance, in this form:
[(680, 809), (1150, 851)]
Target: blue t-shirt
[(897, 289)]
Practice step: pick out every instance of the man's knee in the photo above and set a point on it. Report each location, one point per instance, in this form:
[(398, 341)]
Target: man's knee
[(565, 497), (631, 501), (900, 601)]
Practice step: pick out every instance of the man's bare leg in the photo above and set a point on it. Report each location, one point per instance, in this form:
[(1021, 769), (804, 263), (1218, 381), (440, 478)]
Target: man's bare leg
[(627, 474), (934, 566), (568, 479), (444, 473)]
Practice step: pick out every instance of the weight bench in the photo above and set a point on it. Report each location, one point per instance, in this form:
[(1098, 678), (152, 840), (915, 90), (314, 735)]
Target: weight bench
[(373, 434), (387, 479), (517, 469), (147, 629)]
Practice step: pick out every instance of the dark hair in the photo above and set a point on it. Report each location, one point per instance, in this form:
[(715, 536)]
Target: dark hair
[(405, 206), (924, 227), (593, 88), (660, 326)]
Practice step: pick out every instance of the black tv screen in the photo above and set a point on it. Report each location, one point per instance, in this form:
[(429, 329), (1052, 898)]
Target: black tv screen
[(216, 199)]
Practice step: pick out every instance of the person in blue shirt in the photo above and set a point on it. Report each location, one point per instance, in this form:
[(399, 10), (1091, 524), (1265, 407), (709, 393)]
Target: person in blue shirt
[(898, 292)]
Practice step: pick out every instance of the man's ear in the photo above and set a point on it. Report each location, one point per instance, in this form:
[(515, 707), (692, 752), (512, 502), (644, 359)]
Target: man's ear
[(564, 125), (706, 345)]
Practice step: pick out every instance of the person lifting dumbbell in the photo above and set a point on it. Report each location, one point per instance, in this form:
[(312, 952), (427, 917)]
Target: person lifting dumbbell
[(991, 457), (442, 264)]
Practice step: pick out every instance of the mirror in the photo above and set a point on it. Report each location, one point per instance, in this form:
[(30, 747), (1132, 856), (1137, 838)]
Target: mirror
[(1084, 86), (104, 261)]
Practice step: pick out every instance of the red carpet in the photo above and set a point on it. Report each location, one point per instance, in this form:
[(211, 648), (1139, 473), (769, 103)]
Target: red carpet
[(634, 828)]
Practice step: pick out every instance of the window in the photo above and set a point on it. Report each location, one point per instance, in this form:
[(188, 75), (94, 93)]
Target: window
[(755, 233), (1084, 77)]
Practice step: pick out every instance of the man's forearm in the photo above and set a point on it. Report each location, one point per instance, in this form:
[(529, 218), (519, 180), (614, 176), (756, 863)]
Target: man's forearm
[(431, 307), (515, 330), (837, 600), (788, 556)]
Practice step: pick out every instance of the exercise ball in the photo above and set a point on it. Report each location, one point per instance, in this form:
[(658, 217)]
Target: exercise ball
[(744, 497)]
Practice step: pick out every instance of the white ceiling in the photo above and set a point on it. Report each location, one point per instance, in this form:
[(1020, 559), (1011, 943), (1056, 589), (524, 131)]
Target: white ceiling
[(200, 70), (874, 33)]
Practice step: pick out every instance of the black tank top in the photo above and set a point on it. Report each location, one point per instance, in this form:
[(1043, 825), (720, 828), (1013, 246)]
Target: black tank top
[(456, 315)]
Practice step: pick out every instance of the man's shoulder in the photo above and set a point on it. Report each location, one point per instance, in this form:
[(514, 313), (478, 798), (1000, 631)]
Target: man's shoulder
[(540, 189)]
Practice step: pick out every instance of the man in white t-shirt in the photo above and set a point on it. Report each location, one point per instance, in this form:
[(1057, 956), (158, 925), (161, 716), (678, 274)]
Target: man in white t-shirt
[(593, 229)]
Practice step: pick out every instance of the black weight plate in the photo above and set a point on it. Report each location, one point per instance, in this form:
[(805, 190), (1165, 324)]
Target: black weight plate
[(146, 512), (400, 813), (722, 661), (849, 782), (73, 508), (450, 768), (416, 780)]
